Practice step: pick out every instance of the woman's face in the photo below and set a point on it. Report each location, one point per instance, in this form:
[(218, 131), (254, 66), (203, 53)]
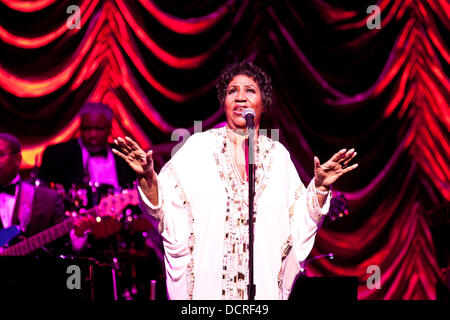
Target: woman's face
[(242, 92)]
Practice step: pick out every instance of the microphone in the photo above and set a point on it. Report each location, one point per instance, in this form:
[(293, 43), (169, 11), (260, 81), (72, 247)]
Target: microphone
[(249, 115), (329, 255)]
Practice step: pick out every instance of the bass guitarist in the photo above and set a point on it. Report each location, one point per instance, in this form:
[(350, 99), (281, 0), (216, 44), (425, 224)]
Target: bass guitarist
[(21, 204)]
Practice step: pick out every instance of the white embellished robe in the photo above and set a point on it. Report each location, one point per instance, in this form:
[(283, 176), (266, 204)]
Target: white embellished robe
[(202, 216)]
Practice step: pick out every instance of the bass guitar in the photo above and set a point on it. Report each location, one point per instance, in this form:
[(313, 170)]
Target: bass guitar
[(110, 206)]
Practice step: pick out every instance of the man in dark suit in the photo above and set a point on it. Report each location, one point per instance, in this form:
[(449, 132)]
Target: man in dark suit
[(88, 158), (33, 209), (87, 161)]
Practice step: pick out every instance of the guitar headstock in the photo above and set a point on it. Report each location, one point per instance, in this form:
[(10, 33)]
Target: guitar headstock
[(113, 204)]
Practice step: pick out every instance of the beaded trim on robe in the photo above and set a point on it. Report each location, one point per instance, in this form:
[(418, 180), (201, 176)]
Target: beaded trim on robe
[(190, 276), (285, 249), (235, 257)]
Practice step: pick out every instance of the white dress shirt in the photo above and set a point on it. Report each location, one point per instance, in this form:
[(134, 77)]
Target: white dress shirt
[(102, 170)]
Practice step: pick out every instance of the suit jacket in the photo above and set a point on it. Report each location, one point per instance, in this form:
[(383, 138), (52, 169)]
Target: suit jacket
[(47, 210), (63, 164), (42, 208)]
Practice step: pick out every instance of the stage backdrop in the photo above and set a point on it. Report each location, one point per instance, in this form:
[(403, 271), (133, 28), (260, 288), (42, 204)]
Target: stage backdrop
[(341, 78)]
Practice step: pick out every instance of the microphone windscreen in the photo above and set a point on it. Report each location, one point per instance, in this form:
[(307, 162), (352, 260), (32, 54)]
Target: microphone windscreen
[(248, 111)]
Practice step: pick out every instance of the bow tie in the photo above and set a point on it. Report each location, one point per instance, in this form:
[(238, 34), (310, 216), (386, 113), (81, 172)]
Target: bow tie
[(100, 153), (9, 189)]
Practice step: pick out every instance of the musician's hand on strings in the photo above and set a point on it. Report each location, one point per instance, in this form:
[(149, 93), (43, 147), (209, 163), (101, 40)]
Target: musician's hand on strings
[(83, 223)]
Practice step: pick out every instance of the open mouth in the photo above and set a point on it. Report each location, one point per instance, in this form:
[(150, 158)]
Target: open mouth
[(238, 109)]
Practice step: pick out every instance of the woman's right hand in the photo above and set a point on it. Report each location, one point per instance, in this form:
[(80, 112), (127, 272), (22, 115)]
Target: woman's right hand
[(140, 161)]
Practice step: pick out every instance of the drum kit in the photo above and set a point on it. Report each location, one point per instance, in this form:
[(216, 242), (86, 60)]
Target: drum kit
[(127, 241)]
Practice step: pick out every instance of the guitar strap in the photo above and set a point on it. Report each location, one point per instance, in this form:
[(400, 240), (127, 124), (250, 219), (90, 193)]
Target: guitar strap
[(22, 214)]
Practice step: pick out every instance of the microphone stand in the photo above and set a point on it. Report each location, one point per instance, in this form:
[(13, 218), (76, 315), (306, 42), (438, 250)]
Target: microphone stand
[(251, 193), (329, 255)]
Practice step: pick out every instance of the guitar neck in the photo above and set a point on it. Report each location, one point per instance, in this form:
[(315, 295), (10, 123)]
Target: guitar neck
[(41, 239), (115, 204)]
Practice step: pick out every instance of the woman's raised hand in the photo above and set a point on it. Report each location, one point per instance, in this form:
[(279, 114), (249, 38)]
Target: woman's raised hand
[(333, 169), (140, 161)]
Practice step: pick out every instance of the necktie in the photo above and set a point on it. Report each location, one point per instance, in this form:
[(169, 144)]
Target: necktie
[(100, 153)]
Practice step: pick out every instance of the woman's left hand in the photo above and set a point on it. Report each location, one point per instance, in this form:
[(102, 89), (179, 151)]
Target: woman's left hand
[(327, 173)]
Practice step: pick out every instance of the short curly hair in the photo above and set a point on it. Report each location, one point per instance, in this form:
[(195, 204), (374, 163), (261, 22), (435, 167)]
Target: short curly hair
[(251, 70)]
